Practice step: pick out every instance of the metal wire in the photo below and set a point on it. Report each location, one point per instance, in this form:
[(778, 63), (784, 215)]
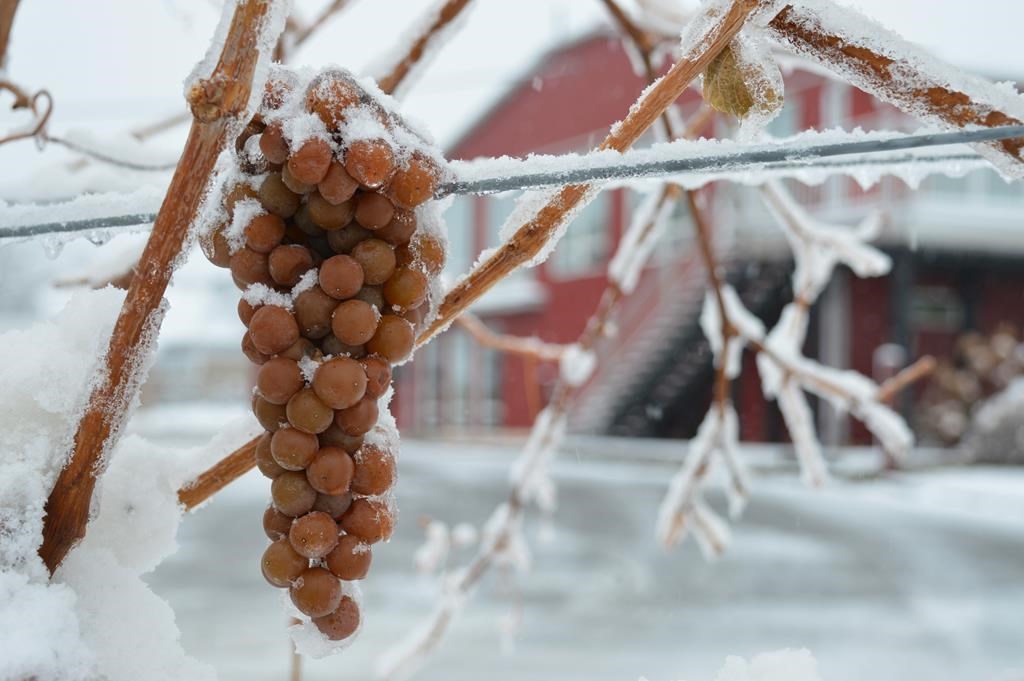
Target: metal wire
[(737, 160), (781, 158)]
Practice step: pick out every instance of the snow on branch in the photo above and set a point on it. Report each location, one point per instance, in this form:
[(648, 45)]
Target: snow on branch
[(882, 63)]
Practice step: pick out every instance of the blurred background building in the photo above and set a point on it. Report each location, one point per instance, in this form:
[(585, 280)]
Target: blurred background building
[(957, 246)]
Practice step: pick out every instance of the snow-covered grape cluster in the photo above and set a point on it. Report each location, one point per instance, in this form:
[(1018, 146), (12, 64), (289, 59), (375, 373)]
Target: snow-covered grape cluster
[(321, 232)]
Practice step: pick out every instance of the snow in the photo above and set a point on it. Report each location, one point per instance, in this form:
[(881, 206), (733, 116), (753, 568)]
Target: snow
[(637, 244), (780, 665), (577, 365), (97, 608)]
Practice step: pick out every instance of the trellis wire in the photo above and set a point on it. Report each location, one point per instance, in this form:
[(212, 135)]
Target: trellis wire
[(809, 157)]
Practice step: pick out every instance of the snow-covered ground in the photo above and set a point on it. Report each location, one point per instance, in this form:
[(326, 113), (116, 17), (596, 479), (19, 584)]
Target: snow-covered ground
[(916, 576)]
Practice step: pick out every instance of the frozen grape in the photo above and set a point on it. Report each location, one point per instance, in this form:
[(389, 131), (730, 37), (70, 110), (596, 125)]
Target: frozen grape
[(273, 144), (394, 339), (340, 383), (400, 229), (313, 310), (354, 322), (341, 277), (215, 246), (370, 162), (309, 163), (369, 520), (277, 198), (265, 460), (378, 376), (333, 505), (374, 470), (300, 349), (424, 252), (330, 471), (414, 183), (316, 592), (377, 258), (287, 264), (276, 524), (336, 437), (307, 412), (337, 185), (293, 449), (373, 210), (271, 416), (342, 623), (330, 97), (332, 346), (245, 310), (282, 564), (294, 184), (273, 329), (327, 215), (350, 559), (359, 418), (372, 295), (239, 192), (313, 535), (406, 289), (292, 493), (250, 351), (278, 379), (344, 240), (250, 267), (264, 233)]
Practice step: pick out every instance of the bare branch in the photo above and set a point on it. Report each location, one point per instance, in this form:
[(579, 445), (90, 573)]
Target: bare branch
[(215, 478), (515, 345), (216, 102), (7, 10), (448, 12), (922, 368)]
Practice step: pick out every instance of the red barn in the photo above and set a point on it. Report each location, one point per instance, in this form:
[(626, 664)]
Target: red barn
[(957, 246)]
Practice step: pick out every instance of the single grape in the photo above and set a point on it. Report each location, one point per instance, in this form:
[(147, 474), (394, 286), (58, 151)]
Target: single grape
[(265, 460), (273, 329), (278, 379), (340, 383), (373, 295), (245, 310), (370, 162), (333, 505), (295, 184), (394, 339), (313, 310), (276, 524), (377, 258), (330, 471), (374, 470), (264, 233), (330, 97), (407, 288), (307, 412), (415, 182), (273, 144), (400, 229), (369, 520), (336, 437), (327, 215), (346, 239), (277, 198), (359, 418), (250, 351), (342, 623), (292, 493), (373, 210), (287, 264), (316, 592), (354, 322), (282, 565), (309, 163), (337, 185), (250, 267), (293, 449), (215, 247), (270, 416), (313, 535), (350, 560), (341, 277), (332, 346), (378, 375)]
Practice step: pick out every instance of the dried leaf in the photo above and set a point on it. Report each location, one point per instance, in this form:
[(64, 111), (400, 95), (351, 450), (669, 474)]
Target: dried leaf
[(739, 87)]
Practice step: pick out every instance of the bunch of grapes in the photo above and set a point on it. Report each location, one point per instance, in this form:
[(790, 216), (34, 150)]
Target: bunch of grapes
[(320, 232)]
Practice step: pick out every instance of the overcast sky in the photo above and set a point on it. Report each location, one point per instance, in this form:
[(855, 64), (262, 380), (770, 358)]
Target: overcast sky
[(125, 60)]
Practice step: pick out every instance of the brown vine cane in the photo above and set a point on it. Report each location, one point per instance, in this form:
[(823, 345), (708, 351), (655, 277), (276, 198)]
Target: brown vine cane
[(344, 209)]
